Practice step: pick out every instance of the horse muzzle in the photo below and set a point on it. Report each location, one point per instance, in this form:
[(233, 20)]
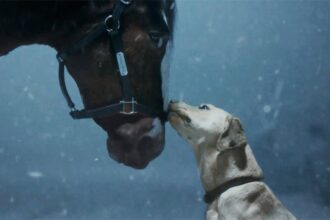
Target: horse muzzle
[(136, 143)]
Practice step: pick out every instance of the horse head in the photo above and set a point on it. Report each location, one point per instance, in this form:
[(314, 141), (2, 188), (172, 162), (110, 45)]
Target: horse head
[(145, 31)]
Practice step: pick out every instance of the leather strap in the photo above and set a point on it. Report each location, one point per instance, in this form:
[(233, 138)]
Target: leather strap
[(117, 48), (212, 195), (61, 78), (124, 108)]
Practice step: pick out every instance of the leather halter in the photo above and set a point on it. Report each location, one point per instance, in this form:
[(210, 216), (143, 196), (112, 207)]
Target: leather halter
[(128, 105)]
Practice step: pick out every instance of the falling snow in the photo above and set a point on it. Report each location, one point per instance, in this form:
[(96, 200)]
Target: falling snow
[(271, 73), (35, 174), (267, 108), (131, 177)]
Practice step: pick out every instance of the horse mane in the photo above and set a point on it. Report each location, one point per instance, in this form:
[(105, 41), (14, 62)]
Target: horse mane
[(28, 22), (38, 17)]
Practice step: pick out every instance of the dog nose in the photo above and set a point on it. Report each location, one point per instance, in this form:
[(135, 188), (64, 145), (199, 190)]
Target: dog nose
[(173, 101)]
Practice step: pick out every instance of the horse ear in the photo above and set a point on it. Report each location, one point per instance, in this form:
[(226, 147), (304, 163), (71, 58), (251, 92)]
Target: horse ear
[(233, 137)]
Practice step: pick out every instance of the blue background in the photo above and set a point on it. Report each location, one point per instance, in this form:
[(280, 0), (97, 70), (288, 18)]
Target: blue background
[(267, 62)]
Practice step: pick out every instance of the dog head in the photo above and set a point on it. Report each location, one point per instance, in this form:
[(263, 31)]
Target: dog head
[(206, 124)]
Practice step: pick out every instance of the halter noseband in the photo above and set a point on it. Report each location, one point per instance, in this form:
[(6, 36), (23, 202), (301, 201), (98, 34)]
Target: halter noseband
[(128, 105)]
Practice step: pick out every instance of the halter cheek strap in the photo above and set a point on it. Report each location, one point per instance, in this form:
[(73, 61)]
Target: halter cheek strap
[(128, 104)]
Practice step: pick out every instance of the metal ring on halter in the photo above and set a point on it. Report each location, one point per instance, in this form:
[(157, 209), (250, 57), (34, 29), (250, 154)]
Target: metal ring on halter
[(106, 23), (126, 2)]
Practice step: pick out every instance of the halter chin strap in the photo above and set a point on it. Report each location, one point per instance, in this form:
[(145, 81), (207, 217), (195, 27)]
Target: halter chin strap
[(128, 104)]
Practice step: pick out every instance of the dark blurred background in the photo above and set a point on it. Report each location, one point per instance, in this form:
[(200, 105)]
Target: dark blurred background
[(267, 62)]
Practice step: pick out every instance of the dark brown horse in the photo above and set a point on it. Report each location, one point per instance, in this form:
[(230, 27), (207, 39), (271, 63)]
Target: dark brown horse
[(146, 27)]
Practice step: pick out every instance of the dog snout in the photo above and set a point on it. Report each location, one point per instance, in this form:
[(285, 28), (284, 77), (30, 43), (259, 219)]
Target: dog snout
[(173, 105)]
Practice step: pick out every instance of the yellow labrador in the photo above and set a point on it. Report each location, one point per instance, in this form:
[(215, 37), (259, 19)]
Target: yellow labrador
[(228, 169)]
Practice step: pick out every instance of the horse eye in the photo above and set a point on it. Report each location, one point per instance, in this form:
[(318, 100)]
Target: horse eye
[(204, 107), (157, 37)]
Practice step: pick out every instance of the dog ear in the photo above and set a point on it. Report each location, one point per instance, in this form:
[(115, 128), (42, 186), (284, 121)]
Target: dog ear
[(233, 137)]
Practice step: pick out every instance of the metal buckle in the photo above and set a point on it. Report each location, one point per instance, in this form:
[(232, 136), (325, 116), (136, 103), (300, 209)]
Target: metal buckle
[(128, 107), (108, 22)]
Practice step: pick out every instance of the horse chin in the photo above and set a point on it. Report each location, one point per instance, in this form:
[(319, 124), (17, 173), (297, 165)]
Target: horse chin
[(136, 144)]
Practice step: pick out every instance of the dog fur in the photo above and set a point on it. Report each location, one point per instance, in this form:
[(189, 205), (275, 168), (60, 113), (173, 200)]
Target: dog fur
[(223, 155)]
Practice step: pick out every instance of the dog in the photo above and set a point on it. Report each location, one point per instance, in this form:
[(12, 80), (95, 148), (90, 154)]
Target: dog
[(228, 169)]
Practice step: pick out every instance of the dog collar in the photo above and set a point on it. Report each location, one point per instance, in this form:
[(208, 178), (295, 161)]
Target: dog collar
[(212, 195)]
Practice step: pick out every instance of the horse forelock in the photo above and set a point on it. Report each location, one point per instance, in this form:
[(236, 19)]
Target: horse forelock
[(160, 7)]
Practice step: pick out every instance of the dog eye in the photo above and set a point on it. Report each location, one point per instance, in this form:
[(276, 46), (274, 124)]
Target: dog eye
[(204, 107)]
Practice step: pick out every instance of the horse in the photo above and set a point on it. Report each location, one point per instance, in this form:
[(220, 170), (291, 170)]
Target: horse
[(114, 50)]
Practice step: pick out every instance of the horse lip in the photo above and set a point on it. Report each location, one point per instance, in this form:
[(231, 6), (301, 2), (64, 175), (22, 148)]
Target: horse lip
[(139, 147), (136, 165), (124, 159)]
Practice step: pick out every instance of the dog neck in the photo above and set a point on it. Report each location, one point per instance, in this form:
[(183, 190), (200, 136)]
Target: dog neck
[(217, 168)]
